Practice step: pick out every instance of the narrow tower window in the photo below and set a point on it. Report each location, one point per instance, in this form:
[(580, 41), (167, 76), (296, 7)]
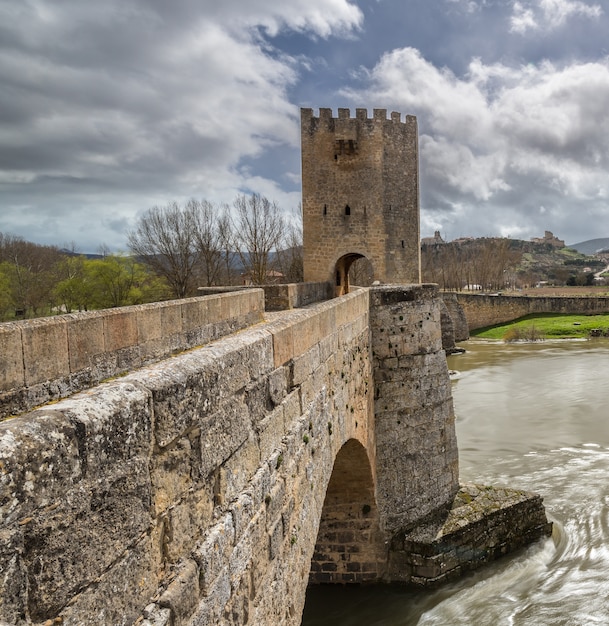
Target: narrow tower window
[(325, 209), (347, 210)]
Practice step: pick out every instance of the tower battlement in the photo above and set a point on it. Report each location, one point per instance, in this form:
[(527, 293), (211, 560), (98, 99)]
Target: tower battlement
[(360, 114)]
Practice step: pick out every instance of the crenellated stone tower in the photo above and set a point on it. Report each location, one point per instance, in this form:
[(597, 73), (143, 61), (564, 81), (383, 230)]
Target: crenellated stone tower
[(360, 195)]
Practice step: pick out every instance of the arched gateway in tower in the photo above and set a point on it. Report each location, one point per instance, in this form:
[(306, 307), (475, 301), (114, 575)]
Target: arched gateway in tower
[(360, 195)]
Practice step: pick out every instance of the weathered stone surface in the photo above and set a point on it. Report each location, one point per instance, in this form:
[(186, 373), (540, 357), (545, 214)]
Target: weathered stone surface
[(483, 524), (50, 358), (117, 596), (182, 594), (12, 370), (360, 194), (13, 577)]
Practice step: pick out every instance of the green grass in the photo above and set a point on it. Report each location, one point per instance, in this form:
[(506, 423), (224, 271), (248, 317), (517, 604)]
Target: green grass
[(545, 326)]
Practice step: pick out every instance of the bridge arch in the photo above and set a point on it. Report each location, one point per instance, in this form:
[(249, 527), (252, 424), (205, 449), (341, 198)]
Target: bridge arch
[(350, 547), (343, 272)]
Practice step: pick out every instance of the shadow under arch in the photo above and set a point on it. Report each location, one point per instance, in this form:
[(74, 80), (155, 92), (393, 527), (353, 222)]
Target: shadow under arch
[(353, 268), (350, 547)]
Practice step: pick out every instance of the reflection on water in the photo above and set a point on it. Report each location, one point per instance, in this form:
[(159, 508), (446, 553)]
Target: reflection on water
[(533, 416)]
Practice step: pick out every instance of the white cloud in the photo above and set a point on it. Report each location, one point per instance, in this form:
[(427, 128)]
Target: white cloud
[(549, 14), (522, 19), (502, 137)]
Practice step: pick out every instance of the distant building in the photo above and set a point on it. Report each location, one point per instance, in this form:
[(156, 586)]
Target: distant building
[(549, 239), (272, 277), (436, 240)]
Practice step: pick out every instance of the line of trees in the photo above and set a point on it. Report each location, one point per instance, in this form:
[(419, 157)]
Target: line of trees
[(40, 280), (487, 264), (202, 244), (173, 250)]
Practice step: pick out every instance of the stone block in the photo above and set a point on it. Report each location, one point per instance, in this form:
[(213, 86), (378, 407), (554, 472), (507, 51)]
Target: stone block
[(40, 463), (276, 540), (171, 473), (114, 426), (45, 349), (305, 364), (69, 548), (283, 343), (214, 309), (85, 340), (149, 323), (240, 467), (246, 505), (278, 385), (270, 432), (184, 521), (117, 596), (120, 329), (188, 387), (12, 372), (306, 333), (81, 488), (212, 609), (194, 313), (182, 595), (171, 318), (213, 553), (223, 433)]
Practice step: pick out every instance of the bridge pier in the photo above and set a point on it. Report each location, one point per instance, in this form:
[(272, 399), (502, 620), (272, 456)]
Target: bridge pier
[(417, 459)]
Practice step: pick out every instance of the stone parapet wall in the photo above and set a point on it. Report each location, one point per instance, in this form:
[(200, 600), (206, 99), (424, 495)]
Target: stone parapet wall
[(49, 358), (486, 310), (284, 296), (188, 491)]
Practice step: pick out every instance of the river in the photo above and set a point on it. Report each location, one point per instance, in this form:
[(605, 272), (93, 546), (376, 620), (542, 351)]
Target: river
[(536, 417)]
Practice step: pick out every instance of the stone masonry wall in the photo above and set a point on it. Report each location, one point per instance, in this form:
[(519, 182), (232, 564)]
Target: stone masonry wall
[(189, 491), (49, 358), (460, 328), (360, 190), (417, 455), (485, 310)]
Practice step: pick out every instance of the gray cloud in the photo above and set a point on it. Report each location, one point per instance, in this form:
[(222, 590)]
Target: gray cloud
[(120, 104), (109, 108), (502, 142)]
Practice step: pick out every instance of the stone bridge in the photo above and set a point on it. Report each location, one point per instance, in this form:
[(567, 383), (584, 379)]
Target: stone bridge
[(202, 461)]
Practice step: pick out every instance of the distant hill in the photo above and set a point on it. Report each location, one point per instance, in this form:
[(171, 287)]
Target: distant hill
[(591, 246)]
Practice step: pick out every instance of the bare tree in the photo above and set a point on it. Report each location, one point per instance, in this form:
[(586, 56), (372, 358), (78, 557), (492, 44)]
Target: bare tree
[(227, 246), (259, 230), (291, 257), (207, 239), (165, 239)]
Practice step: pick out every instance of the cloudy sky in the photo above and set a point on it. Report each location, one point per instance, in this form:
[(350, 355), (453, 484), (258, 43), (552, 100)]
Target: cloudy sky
[(109, 108)]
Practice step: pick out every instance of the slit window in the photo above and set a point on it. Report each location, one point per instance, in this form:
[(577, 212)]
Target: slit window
[(347, 210)]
